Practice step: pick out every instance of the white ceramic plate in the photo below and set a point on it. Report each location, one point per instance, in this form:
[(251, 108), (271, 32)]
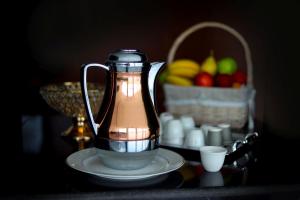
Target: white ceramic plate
[(90, 161)]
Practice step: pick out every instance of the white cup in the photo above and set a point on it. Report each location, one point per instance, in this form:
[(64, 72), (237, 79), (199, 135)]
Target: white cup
[(214, 137), (194, 139), (212, 157), (187, 122), (226, 133), (164, 117), (205, 128), (174, 133)]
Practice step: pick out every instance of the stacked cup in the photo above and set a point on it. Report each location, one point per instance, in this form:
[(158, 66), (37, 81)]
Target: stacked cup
[(219, 135), (187, 122), (173, 132), (182, 132), (214, 136), (194, 139), (163, 119), (213, 155), (226, 134)]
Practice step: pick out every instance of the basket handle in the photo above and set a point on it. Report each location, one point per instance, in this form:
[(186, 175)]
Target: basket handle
[(202, 25)]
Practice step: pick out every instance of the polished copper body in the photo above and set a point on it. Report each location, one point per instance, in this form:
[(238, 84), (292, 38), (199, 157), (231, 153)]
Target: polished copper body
[(127, 113)]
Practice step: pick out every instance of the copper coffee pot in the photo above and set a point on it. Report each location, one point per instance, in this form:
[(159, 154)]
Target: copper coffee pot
[(127, 122)]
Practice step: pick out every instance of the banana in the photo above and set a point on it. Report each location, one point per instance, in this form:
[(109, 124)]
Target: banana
[(176, 80), (184, 64), (183, 72)]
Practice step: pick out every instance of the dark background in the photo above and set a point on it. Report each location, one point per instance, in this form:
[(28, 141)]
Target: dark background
[(50, 39), (59, 36)]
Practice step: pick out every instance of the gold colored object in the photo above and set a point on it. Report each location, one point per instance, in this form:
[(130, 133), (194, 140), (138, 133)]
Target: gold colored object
[(66, 98)]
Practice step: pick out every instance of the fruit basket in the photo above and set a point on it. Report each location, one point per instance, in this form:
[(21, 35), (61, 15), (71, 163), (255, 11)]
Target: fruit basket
[(213, 105)]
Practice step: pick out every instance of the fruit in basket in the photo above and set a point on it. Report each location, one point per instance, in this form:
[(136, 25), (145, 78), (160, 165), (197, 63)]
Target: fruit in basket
[(177, 80), (239, 77), (227, 66), (184, 72), (209, 65), (181, 72), (204, 79), (224, 80), (184, 67)]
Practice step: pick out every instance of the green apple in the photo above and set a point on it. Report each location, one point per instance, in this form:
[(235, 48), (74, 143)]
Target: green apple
[(227, 66)]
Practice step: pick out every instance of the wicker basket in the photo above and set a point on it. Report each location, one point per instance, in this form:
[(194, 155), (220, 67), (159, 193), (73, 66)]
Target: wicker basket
[(213, 105)]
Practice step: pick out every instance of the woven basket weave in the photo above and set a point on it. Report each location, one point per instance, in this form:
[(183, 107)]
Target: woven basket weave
[(213, 105)]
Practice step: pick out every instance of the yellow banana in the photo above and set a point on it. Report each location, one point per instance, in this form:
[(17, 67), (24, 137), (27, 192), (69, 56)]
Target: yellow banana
[(176, 80), (184, 63), (183, 72)]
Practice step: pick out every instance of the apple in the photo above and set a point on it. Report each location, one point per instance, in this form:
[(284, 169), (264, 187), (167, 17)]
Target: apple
[(204, 79), (224, 80), (239, 77), (227, 66)]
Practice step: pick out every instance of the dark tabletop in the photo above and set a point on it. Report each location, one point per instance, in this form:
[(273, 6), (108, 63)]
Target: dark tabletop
[(271, 172)]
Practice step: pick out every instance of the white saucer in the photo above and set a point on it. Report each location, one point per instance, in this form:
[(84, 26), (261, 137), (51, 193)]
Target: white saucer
[(90, 161)]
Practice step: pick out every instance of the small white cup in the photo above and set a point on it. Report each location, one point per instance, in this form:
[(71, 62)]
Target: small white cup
[(174, 133), (194, 139), (226, 133), (164, 117), (214, 137), (212, 157), (205, 128), (187, 122)]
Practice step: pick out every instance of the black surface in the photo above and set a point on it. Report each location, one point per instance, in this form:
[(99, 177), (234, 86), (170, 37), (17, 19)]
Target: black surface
[(47, 176), (260, 193)]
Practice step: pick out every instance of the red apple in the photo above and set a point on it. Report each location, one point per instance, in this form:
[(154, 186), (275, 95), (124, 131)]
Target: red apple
[(204, 79), (224, 80), (239, 77)]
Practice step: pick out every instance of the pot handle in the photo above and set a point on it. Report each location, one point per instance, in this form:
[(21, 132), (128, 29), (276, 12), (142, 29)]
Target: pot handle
[(85, 95)]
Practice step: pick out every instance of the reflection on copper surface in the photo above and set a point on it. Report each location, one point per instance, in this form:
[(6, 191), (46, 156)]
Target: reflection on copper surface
[(130, 134), (130, 85), (129, 117)]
